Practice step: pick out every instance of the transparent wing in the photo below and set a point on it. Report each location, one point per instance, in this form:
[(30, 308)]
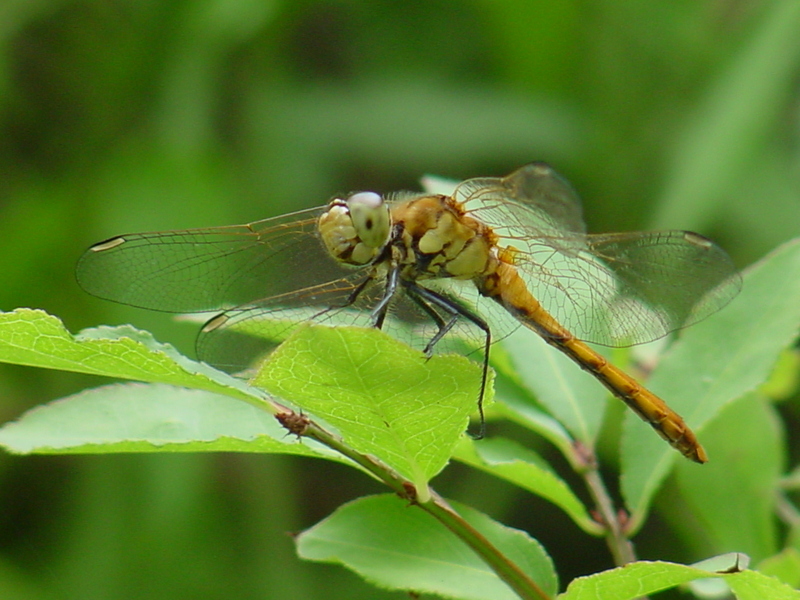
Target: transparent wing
[(554, 206), (209, 269), (612, 289), (266, 276), (235, 339)]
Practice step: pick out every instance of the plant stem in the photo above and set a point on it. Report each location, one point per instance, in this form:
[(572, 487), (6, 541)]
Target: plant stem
[(618, 543), (435, 505), (509, 572)]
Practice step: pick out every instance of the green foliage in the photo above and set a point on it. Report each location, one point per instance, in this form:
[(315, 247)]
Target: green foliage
[(508, 460), (392, 406), (634, 580), (729, 355), (383, 541), (136, 116), (407, 410)]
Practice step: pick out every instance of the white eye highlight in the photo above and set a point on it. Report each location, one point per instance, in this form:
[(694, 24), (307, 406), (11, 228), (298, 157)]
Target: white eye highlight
[(370, 216)]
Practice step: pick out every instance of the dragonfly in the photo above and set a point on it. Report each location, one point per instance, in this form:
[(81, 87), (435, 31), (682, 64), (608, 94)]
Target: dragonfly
[(497, 253)]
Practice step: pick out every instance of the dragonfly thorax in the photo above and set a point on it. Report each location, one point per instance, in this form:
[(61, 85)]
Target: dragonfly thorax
[(439, 239), (356, 229)]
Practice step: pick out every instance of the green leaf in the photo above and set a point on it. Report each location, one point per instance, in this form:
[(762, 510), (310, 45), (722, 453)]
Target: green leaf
[(34, 338), (509, 461), (752, 585), (785, 566), (784, 381), (137, 417), (732, 499), (385, 398), (397, 546), (517, 404), (575, 398), (714, 363), (639, 579)]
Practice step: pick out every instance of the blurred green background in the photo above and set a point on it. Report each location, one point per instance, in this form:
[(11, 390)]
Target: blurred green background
[(132, 115)]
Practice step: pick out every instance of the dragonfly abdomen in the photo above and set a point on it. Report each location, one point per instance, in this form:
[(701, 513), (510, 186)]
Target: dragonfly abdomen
[(505, 286), (652, 409)]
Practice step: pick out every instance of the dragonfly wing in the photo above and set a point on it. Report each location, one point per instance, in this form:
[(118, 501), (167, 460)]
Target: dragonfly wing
[(553, 206), (235, 339), (614, 289), (209, 269), (664, 281), (629, 288)]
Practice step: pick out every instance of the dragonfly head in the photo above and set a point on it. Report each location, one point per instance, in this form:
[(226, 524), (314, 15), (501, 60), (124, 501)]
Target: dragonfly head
[(355, 229)]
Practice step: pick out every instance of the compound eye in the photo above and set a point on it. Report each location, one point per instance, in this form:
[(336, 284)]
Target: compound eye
[(370, 217)]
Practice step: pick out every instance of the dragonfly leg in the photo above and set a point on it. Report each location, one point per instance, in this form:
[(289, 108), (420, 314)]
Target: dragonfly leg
[(442, 326), (351, 299), (427, 299), (356, 293), (382, 307)]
